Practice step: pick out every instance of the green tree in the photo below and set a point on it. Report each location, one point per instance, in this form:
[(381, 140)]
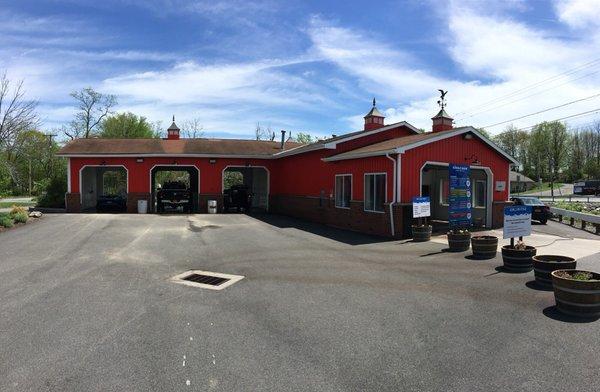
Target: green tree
[(126, 126), (305, 138), (92, 108), (515, 142)]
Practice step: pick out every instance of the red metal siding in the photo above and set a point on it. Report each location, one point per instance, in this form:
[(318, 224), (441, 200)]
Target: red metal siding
[(451, 150), (307, 174), (139, 173)]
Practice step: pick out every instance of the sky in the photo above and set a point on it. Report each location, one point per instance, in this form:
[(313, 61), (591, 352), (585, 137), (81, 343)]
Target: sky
[(308, 66)]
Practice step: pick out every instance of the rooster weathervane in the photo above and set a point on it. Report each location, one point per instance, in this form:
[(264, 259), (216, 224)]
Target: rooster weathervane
[(442, 100)]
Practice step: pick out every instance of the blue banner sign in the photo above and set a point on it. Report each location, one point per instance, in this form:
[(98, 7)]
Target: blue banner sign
[(459, 203), (517, 221), (421, 207)]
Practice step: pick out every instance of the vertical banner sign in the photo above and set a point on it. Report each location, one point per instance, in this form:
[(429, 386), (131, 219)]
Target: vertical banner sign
[(517, 221), (421, 207), (459, 205)]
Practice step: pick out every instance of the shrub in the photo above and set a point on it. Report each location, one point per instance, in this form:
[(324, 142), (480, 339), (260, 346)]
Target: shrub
[(6, 221), (20, 217), (17, 210), (54, 194)]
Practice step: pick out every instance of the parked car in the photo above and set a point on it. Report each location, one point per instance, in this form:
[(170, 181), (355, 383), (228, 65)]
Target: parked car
[(539, 211), (237, 197), (174, 195), (111, 203), (590, 187)]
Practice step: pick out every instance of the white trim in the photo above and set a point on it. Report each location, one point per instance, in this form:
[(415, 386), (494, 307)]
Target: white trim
[(166, 155), (403, 149), (458, 131), (391, 204), (399, 191), (359, 155), (360, 134), (365, 192), (335, 190), (81, 181), (68, 175), (490, 186), (355, 135), (250, 166)]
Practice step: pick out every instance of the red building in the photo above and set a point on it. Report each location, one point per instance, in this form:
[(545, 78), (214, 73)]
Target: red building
[(361, 181)]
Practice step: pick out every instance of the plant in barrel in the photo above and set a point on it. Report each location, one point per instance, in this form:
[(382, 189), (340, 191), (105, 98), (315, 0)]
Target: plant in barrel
[(459, 207), (517, 224), (421, 231)]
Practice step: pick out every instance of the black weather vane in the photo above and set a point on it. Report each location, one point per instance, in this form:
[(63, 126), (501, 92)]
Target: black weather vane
[(442, 100)]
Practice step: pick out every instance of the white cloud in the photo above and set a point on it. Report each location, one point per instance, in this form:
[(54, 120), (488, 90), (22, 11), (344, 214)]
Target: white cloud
[(578, 13), (498, 54)]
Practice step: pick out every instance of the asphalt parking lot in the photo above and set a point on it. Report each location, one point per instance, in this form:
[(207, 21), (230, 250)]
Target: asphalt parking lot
[(87, 305)]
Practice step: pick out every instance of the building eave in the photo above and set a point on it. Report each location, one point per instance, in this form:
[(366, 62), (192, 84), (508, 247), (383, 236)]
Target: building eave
[(146, 155)]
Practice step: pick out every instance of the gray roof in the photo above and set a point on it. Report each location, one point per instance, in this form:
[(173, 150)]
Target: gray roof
[(173, 127), (374, 113), (524, 178), (441, 113)]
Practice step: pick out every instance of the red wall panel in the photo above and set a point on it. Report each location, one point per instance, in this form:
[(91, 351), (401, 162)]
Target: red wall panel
[(452, 150)]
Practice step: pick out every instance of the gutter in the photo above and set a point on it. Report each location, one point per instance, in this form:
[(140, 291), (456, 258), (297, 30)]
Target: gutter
[(393, 193)]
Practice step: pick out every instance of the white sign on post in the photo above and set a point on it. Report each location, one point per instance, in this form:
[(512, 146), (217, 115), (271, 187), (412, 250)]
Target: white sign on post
[(517, 221), (421, 207)]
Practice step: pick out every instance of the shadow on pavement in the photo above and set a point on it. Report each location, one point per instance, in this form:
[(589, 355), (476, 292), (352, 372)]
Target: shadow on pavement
[(555, 314), (501, 268), (340, 235), (532, 284)]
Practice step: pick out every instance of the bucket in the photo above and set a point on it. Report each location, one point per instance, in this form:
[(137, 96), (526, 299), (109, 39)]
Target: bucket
[(212, 206), (142, 206)]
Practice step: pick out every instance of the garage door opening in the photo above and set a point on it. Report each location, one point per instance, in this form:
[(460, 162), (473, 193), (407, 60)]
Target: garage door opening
[(250, 180), (435, 184), (103, 188), (174, 189)]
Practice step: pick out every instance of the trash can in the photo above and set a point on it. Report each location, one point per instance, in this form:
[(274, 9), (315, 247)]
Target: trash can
[(212, 206), (142, 206)]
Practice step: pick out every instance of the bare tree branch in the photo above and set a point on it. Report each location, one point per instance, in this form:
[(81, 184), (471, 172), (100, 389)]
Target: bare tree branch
[(16, 113)]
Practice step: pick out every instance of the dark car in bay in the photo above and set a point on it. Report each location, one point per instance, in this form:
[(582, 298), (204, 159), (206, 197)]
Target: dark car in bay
[(539, 211), (111, 203), (237, 197), (174, 195)]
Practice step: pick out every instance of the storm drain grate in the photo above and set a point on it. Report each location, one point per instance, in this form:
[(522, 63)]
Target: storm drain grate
[(206, 280)]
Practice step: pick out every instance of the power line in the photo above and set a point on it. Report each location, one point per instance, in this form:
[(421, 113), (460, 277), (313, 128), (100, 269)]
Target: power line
[(545, 110), (531, 86), (528, 96), (583, 114)]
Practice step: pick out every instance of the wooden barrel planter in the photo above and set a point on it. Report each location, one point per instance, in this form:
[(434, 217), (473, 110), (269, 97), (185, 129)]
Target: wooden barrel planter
[(459, 242), (421, 233), (543, 265), (518, 260), (484, 246), (579, 298)]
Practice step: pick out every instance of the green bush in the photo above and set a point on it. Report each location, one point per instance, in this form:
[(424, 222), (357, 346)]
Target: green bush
[(6, 221), (20, 217), (54, 194)]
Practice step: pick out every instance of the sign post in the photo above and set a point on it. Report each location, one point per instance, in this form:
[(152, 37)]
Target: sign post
[(517, 223), (459, 204), (421, 208)]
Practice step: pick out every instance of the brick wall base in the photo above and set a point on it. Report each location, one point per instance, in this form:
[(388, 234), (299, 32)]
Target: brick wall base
[(353, 218), (73, 202), (498, 213), (132, 199)]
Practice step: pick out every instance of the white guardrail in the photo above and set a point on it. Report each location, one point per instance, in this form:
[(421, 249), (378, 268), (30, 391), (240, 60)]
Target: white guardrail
[(572, 215)]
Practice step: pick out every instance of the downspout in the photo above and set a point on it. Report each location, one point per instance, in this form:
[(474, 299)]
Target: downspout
[(393, 193)]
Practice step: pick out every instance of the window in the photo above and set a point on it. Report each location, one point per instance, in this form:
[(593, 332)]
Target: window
[(479, 190), (375, 191), (343, 190), (444, 191)]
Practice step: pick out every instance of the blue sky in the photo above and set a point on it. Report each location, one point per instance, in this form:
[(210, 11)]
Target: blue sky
[(310, 66)]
